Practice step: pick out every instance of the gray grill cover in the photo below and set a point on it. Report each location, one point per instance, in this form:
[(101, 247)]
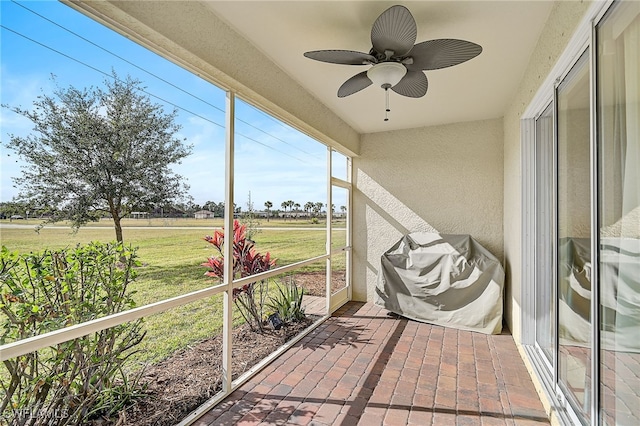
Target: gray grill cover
[(449, 280)]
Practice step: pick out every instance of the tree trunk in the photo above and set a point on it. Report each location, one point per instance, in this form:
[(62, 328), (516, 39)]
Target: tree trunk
[(118, 227)]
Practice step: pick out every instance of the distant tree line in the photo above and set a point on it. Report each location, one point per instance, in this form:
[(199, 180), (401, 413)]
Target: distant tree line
[(289, 208)]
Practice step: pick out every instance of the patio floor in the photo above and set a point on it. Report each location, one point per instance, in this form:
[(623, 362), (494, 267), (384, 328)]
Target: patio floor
[(362, 367)]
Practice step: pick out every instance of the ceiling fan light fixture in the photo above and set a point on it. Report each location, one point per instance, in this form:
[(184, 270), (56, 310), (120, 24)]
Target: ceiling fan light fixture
[(386, 74)]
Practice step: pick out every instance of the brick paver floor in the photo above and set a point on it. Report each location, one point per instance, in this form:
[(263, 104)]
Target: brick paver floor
[(362, 367)]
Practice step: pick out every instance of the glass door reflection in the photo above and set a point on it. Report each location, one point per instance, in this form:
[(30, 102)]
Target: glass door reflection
[(574, 236)]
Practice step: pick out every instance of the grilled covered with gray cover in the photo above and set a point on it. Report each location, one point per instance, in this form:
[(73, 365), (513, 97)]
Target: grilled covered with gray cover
[(448, 280)]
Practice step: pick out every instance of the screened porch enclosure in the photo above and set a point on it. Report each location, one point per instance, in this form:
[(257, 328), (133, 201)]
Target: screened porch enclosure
[(549, 185)]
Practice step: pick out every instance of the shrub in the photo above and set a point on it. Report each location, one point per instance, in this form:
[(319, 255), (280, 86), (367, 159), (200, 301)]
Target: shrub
[(71, 382), (250, 298), (287, 302)]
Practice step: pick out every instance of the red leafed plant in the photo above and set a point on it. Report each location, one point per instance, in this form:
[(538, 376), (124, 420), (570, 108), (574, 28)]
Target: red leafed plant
[(250, 298)]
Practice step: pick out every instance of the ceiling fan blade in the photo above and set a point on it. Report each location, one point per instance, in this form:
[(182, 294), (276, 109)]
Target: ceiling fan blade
[(394, 30), (354, 84), (414, 84), (344, 57), (441, 53)]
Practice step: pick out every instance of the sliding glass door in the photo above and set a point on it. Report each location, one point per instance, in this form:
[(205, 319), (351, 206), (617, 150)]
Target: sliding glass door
[(574, 235), (618, 119), (586, 228)]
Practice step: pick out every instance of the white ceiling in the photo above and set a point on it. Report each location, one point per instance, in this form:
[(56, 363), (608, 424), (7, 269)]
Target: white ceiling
[(481, 88)]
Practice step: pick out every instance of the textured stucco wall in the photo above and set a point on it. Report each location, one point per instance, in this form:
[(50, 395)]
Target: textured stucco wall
[(190, 33), (560, 26), (445, 179)]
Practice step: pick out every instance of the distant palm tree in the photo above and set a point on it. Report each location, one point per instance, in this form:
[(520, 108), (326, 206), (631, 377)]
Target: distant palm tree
[(317, 208), (308, 206), (297, 207), (268, 205), (287, 205), (284, 206), (290, 204)]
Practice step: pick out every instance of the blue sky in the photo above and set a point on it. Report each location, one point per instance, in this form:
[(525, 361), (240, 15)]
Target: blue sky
[(273, 161)]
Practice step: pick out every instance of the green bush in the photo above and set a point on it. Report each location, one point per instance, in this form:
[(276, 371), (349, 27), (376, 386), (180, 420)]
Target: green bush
[(287, 302), (72, 382)]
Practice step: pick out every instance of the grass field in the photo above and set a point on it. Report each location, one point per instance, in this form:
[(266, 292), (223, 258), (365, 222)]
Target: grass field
[(171, 266)]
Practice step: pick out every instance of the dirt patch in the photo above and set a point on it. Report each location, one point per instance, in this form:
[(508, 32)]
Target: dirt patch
[(314, 283)]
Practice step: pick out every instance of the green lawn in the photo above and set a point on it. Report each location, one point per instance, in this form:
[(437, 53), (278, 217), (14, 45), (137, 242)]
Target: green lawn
[(171, 266)]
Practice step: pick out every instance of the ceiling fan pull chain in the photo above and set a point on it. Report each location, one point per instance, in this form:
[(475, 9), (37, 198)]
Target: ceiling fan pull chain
[(387, 110), (386, 93)]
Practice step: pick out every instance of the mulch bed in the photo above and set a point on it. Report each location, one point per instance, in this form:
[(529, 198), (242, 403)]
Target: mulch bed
[(314, 282), (181, 383)]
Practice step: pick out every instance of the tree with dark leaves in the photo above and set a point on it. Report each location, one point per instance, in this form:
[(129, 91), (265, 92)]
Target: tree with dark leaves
[(99, 151)]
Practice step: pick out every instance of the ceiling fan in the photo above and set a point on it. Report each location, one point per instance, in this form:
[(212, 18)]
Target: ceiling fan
[(398, 64)]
